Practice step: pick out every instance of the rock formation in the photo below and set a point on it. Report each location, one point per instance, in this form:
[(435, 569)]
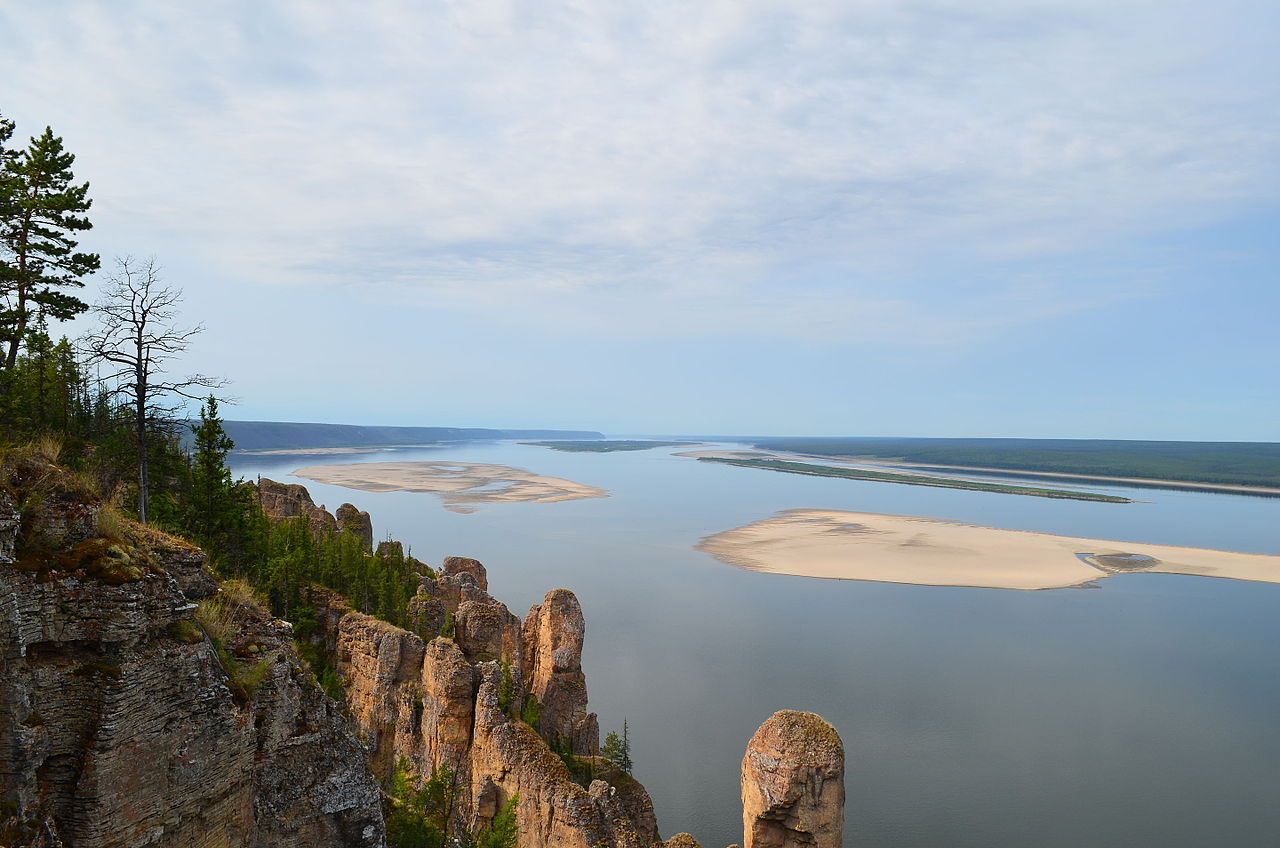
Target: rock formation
[(455, 565), (357, 521), (121, 726), (434, 700), (287, 500), (793, 784), (553, 636), (124, 723)]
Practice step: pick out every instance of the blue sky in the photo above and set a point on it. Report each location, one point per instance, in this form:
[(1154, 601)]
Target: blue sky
[(1010, 218)]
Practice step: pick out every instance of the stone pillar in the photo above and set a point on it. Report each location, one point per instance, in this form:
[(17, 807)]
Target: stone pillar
[(793, 784)]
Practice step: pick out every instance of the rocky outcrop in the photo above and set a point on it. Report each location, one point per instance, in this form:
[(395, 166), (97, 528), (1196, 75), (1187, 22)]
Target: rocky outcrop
[(509, 758), (553, 635), (120, 725), (451, 700), (455, 565), (793, 784), (288, 500), (358, 522)]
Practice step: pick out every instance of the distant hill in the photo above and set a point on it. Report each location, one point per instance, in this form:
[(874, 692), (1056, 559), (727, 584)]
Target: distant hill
[(269, 435), (1237, 463)]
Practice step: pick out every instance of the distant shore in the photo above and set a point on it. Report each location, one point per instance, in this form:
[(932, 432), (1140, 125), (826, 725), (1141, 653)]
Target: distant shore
[(782, 463), (938, 552), (459, 484)]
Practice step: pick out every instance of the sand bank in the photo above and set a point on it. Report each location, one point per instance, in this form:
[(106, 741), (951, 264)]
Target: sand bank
[(938, 552), (457, 483)]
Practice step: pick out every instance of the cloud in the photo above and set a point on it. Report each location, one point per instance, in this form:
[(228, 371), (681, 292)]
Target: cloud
[(662, 168)]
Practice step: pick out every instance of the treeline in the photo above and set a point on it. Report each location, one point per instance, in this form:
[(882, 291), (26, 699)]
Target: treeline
[(1226, 463)]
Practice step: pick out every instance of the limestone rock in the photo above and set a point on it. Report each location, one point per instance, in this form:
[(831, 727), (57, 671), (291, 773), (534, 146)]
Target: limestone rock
[(287, 500), (554, 812), (487, 630), (425, 616), (553, 635), (120, 727), (357, 521), (390, 549), (682, 840), (793, 784), (455, 565)]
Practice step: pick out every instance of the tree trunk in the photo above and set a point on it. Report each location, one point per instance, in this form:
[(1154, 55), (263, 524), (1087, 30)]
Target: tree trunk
[(143, 459)]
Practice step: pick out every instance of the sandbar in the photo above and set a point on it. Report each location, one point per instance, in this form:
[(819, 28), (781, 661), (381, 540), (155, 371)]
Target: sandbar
[(939, 552), (459, 484)]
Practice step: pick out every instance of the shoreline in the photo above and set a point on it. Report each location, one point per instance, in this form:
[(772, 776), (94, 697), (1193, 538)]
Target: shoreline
[(923, 551)]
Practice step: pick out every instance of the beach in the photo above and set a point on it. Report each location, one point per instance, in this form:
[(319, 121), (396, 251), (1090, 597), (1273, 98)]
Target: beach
[(938, 552)]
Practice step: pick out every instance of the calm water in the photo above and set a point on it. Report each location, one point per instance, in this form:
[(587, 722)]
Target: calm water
[(1143, 712)]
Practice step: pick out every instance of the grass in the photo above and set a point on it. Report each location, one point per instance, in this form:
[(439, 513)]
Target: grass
[(911, 479)]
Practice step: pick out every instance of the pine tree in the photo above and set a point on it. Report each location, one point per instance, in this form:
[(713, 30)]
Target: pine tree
[(618, 750), (41, 211), (216, 504)]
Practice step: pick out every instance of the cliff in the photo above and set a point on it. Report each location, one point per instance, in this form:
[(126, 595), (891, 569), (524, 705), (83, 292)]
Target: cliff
[(142, 705), (120, 725), (450, 700)]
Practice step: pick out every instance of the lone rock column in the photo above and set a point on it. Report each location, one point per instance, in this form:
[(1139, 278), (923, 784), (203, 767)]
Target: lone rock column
[(793, 784)]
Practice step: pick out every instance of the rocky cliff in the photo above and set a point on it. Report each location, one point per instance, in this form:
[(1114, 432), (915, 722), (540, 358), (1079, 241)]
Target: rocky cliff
[(128, 720), (452, 700), (120, 724)]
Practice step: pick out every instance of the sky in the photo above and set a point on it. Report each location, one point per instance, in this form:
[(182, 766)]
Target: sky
[(1030, 218)]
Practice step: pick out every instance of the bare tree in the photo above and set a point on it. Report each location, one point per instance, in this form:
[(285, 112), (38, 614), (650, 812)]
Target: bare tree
[(137, 338)]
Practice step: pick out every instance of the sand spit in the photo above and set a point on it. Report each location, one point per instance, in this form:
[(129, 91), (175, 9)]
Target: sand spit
[(457, 483), (938, 552)]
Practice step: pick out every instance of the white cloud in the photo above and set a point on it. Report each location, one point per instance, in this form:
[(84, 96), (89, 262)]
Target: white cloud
[(649, 167)]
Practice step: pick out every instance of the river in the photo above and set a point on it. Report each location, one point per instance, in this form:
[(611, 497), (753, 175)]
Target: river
[(1141, 712)]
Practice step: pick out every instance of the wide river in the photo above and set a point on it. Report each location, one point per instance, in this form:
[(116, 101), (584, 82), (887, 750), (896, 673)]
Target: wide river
[(1142, 712)]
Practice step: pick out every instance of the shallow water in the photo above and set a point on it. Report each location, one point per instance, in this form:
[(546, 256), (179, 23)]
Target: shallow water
[(1140, 712)]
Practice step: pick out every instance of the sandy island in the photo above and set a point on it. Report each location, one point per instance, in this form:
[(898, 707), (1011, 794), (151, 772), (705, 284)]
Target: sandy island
[(938, 552), (457, 483)]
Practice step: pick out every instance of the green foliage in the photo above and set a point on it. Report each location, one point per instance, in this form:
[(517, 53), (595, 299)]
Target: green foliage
[(617, 749), (448, 626), (218, 508), (532, 712), (41, 213), (502, 831), (419, 811), (507, 690)]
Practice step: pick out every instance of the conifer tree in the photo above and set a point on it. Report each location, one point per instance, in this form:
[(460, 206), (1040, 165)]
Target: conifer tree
[(618, 749), (41, 213)]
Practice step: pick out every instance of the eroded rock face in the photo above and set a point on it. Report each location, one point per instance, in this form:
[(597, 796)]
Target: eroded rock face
[(554, 812), (287, 500), (553, 635), (455, 565), (793, 784), (119, 726), (487, 630), (357, 521)]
